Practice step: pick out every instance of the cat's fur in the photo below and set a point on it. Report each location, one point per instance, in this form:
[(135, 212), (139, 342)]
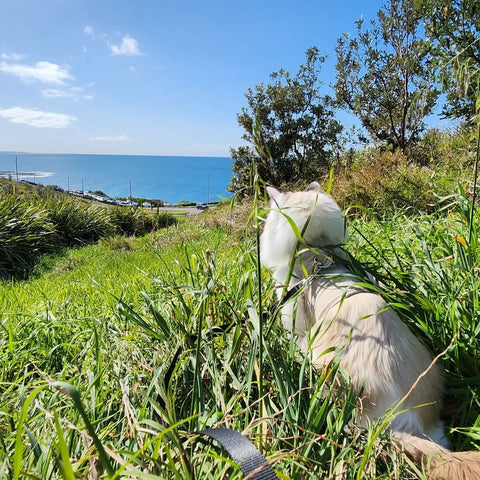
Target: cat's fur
[(382, 357)]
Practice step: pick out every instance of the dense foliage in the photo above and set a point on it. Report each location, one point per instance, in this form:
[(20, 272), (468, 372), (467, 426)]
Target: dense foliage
[(453, 41), (390, 75), (421, 181), (291, 128), (384, 76), (33, 223)]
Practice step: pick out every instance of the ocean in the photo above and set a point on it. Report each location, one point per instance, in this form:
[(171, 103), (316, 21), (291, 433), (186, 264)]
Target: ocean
[(172, 179)]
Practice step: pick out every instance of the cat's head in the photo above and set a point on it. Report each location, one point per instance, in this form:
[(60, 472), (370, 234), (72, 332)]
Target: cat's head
[(312, 213)]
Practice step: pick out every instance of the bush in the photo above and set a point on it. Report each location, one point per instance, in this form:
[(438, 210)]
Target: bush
[(25, 232), (164, 220), (133, 221), (41, 221), (386, 182), (444, 150), (76, 222)]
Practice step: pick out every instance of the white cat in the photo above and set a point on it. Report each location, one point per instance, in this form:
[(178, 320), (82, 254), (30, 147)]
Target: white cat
[(382, 357)]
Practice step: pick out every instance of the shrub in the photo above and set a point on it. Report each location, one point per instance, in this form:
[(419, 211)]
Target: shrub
[(164, 220), (388, 181), (38, 221), (383, 181), (77, 222), (25, 232), (133, 221), (444, 150)]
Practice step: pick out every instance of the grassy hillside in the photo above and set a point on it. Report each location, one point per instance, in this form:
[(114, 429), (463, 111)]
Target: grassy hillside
[(86, 342), (36, 220)]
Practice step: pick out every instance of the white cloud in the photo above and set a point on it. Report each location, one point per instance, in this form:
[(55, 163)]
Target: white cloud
[(44, 72), (56, 93), (16, 57), (128, 47), (75, 93), (36, 118), (112, 138), (89, 30)]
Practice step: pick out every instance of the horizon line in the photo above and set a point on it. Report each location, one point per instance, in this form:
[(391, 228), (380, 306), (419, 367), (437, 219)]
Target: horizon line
[(18, 152)]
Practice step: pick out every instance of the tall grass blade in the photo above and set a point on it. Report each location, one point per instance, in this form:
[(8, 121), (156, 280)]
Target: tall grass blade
[(64, 463), (71, 392), (19, 445)]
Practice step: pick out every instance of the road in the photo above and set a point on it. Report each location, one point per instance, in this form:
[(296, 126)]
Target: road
[(177, 210)]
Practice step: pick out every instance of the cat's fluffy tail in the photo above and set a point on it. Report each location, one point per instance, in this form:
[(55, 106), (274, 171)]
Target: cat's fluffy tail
[(437, 462)]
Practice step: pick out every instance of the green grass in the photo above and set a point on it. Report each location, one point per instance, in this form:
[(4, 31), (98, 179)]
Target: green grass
[(86, 342), (38, 220)]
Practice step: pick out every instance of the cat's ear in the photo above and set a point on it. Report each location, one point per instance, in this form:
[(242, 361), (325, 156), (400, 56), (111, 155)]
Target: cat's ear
[(274, 194), (314, 187)]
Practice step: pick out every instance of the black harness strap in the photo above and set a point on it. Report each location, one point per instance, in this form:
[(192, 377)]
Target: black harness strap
[(289, 294), (243, 453)]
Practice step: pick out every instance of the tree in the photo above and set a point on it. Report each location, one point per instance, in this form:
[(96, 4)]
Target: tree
[(383, 76), (291, 129), (453, 38)]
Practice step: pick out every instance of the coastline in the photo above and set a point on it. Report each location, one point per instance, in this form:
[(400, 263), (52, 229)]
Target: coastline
[(150, 206), (171, 179)]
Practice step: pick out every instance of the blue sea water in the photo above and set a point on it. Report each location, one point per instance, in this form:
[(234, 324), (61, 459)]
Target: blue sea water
[(171, 179)]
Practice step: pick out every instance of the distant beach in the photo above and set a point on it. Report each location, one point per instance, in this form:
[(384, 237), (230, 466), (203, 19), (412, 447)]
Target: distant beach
[(169, 178), (23, 175)]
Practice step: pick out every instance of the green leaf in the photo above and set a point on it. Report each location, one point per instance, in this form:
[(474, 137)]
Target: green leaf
[(66, 466), (71, 392)]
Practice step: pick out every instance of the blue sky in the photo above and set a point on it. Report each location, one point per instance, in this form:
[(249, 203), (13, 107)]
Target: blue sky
[(159, 77)]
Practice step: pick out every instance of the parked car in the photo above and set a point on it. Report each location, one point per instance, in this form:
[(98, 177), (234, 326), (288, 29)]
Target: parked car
[(202, 205)]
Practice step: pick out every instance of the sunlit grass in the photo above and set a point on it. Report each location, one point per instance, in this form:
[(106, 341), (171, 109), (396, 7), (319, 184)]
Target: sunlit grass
[(86, 343), (34, 223)]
